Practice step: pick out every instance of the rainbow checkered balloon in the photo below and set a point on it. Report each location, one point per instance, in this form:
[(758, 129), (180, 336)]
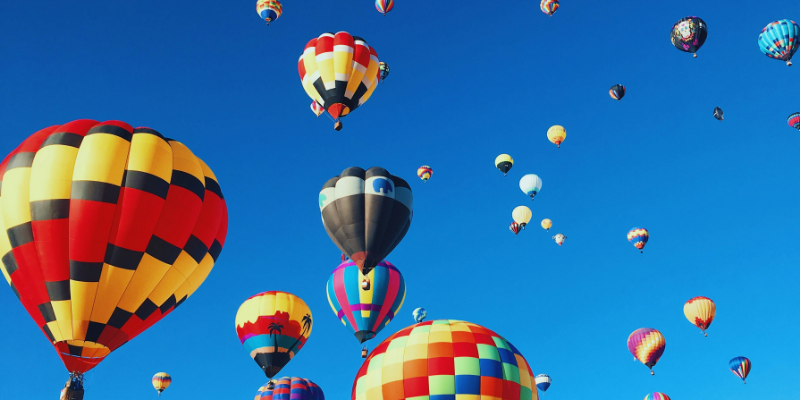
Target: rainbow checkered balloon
[(445, 359)]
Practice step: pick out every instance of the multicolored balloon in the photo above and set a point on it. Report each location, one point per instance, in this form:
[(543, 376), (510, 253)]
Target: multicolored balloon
[(161, 381), (638, 238), (383, 71), (547, 224), (543, 382), (556, 134), (740, 366), (794, 120), (521, 215), (419, 314), (273, 327), (340, 72), (689, 34), (559, 238), (504, 162), (316, 108), (514, 227), (290, 389), (718, 113), (530, 184), (384, 6), (486, 365), (647, 345), (779, 40), (106, 230), (549, 7), (269, 10), (368, 311), (700, 311), (424, 172), (617, 92), (656, 396)]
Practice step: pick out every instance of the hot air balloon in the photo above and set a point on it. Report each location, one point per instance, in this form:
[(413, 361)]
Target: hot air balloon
[(340, 72), (617, 92), (161, 381), (269, 10), (316, 108), (700, 311), (794, 121), (108, 230), (273, 327), (366, 311), (521, 215), (556, 134), (420, 360), (543, 382), (647, 345), (419, 314), (366, 213), (530, 184), (559, 238), (549, 7), (718, 113), (383, 71), (514, 227), (384, 6), (424, 172), (638, 238), (290, 389), (740, 366), (689, 34), (504, 162), (656, 396), (546, 224), (779, 40)]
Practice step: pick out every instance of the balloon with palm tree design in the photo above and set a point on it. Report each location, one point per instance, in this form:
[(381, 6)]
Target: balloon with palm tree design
[(273, 327)]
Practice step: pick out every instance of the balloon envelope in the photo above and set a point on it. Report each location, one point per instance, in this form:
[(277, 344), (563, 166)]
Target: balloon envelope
[(638, 237), (504, 162), (718, 113), (424, 172), (530, 184), (656, 396), (794, 121), (556, 134), (779, 40), (269, 10), (547, 224), (514, 227), (617, 92), (740, 366), (521, 215), (647, 345), (290, 389), (559, 238), (161, 381), (419, 314), (549, 7), (543, 382), (689, 34), (383, 70), (384, 6), (700, 311)]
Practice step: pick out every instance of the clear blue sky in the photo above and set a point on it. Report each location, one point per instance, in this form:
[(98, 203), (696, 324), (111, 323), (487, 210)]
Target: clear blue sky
[(469, 80)]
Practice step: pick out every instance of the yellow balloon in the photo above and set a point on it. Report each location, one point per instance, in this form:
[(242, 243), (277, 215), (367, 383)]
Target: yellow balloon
[(546, 224), (521, 215), (556, 134), (700, 311)]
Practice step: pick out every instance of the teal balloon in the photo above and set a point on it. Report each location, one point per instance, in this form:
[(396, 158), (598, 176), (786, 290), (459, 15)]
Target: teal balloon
[(420, 314), (779, 40)]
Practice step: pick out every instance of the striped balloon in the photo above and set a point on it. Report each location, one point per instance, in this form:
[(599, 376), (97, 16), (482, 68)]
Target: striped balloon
[(617, 92), (794, 121), (638, 238), (543, 382), (740, 366), (424, 172), (269, 10), (779, 40), (366, 311), (647, 345), (656, 396), (549, 7), (384, 6), (700, 311), (514, 227), (290, 389), (161, 381)]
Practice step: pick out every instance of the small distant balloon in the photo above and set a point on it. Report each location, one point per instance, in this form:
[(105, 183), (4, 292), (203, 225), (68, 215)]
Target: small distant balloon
[(384, 6), (549, 7), (700, 311), (556, 134), (269, 10), (530, 184), (718, 113), (514, 227), (504, 162), (638, 238), (547, 224), (543, 382), (794, 120), (161, 381), (419, 314), (647, 345), (617, 92), (383, 71), (521, 215), (656, 396), (559, 238), (740, 366), (424, 172), (779, 40), (689, 34)]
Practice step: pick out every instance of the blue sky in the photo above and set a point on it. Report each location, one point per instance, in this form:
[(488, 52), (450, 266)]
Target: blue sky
[(469, 80)]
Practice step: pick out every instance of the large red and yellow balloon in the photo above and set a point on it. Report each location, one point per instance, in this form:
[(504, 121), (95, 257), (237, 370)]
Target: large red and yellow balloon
[(108, 229)]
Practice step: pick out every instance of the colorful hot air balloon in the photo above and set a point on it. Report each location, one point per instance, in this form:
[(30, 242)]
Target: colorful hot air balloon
[(290, 389), (559, 238), (383, 71), (700, 311), (656, 396), (543, 382), (420, 360), (779, 40), (794, 120), (638, 238), (556, 134), (340, 72), (419, 314), (617, 92), (530, 184), (718, 113), (384, 6), (549, 7), (689, 34), (504, 162), (366, 312), (269, 10), (366, 213), (740, 366), (424, 172), (547, 224), (514, 227), (273, 327), (316, 108), (108, 230), (521, 215), (161, 381), (647, 345)]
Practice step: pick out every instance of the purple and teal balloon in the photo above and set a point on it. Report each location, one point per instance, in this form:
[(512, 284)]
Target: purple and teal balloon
[(778, 40), (794, 120), (290, 389), (384, 6), (740, 366)]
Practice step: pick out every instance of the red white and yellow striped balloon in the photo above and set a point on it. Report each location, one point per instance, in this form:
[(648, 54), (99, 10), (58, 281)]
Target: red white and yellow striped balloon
[(161, 381), (700, 311)]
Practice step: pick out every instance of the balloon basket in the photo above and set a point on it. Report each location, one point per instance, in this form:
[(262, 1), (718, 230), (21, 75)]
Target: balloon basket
[(364, 352)]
